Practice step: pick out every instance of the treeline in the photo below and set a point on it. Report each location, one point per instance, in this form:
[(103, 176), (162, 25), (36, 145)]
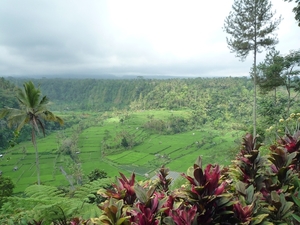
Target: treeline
[(212, 97)]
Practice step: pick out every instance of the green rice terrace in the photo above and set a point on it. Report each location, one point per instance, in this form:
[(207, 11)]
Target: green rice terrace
[(97, 143)]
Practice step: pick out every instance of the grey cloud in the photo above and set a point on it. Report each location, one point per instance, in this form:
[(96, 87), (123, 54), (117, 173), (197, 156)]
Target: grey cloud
[(70, 37), (33, 30)]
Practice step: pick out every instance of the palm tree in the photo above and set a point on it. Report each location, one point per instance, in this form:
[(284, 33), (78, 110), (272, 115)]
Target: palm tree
[(33, 111)]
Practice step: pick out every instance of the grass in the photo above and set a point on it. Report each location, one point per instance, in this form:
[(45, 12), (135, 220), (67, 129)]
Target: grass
[(177, 152)]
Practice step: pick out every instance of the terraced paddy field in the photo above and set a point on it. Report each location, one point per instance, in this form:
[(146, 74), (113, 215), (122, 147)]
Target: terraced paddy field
[(150, 151)]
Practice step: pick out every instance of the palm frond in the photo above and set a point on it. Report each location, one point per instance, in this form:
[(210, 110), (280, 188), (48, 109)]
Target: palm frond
[(59, 120), (49, 116), (3, 112), (21, 97), (8, 112), (41, 125), (44, 101), (16, 117), (32, 94), (21, 122)]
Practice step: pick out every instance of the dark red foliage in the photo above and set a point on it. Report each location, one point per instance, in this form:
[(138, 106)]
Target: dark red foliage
[(184, 216), (124, 190), (212, 176), (144, 215), (243, 213)]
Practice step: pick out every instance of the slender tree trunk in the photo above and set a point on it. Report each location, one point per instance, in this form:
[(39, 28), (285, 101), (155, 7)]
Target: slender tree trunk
[(289, 95), (254, 94), (36, 158), (255, 75), (37, 164), (254, 100), (275, 97)]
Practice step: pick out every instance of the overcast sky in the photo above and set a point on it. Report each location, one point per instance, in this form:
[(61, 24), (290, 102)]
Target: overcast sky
[(125, 37)]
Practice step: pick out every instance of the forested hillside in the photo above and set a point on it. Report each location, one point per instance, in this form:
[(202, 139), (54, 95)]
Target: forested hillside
[(210, 97), (212, 100), (209, 100)]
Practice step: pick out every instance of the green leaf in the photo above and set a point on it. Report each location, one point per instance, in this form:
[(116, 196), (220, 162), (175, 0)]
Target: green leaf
[(250, 194), (258, 219), (141, 193), (290, 158), (275, 197), (241, 187), (122, 220), (225, 200), (119, 206), (296, 200), (285, 208), (296, 217)]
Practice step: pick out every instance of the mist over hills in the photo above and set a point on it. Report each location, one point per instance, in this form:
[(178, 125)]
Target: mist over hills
[(102, 76)]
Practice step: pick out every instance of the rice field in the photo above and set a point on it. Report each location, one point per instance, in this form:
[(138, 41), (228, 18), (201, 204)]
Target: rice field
[(178, 152)]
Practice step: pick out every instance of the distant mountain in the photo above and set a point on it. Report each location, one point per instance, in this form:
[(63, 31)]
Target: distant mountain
[(97, 76)]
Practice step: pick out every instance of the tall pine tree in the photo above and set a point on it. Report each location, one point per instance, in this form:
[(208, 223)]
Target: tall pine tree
[(251, 27)]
